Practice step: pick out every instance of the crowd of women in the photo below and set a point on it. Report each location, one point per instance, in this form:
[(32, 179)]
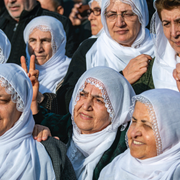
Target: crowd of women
[(112, 109)]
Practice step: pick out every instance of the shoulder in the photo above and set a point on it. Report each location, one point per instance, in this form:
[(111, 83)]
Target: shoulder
[(85, 46), (57, 152), (62, 18)]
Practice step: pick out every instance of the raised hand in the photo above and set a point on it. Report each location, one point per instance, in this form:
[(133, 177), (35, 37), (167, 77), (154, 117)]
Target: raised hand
[(33, 76), (176, 75), (74, 16), (136, 68)]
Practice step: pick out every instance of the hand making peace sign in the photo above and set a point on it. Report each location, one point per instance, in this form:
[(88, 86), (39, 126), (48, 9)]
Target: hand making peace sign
[(33, 76)]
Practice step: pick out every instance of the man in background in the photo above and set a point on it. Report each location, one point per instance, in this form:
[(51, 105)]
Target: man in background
[(53, 5)]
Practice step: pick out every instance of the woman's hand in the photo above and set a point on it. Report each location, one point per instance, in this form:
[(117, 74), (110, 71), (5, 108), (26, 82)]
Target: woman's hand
[(136, 68), (176, 75), (75, 17), (33, 76), (41, 133)]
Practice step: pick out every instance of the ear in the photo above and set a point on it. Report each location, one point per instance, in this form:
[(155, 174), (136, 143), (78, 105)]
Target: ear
[(60, 10)]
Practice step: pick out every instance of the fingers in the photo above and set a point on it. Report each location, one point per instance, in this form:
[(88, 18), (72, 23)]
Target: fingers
[(32, 63), (23, 64), (41, 133), (178, 70), (56, 137)]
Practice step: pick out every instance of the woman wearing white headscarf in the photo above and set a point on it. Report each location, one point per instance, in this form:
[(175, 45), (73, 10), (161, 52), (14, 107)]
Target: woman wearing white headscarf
[(165, 28), (21, 157), (94, 16), (5, 47), (53, 67), (95, 130), (154, 141), (125, 45)]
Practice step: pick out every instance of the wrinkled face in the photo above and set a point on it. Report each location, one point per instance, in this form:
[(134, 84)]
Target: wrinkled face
[(171, 27), (40, 46), (47, 4), (141, 138), (123, 30), (15, 7), (90, 113), (95, 21), (8, 112)]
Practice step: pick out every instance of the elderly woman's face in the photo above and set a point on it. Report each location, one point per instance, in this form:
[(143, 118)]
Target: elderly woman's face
[(90, 113), (141, 138), (40, 45), (95, 21), (123, 28), (171, 27), (8, 112)]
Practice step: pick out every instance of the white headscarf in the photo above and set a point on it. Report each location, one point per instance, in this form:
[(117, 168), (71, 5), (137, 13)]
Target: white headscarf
[(86, 150), (99, 33), (107, 52), (21, 157), (5, 47), (54, 70), (163, 106), (165, 57)]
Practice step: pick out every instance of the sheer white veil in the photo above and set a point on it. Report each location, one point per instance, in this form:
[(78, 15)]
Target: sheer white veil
[(54, 70), (20, 155), (165, 56), (163, 106), (5, 47), (107, 52), (117, 94)]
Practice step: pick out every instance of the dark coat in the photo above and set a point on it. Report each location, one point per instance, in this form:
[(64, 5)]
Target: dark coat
[(62, 166), (14, 31)]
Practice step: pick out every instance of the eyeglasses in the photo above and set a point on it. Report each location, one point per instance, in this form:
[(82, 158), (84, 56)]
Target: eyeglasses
[(126, 15), (96, 12)]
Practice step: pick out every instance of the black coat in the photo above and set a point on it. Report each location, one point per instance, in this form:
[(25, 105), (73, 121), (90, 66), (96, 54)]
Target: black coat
[(14, 31)]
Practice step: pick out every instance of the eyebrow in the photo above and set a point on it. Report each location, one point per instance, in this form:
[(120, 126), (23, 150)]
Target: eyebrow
[(173, 20), (96, 96), (143, 121)]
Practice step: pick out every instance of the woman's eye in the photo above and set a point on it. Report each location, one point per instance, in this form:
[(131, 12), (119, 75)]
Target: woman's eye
[(147, 126), (166, 24), (82, 94), (99, 101)]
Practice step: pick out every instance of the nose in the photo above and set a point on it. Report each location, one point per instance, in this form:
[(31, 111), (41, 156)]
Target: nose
[(175, 30), (87, 104), (136, 132), (91, 16), (12, 1), (120, 20), (38, 47)]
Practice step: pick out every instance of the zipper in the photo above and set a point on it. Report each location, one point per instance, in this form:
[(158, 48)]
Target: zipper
[(15, 28)]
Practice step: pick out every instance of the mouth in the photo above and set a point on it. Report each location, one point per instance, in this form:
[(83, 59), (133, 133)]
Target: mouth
[(121, 32), (14, 8), (85, 116), (137, 143), (177, 43)]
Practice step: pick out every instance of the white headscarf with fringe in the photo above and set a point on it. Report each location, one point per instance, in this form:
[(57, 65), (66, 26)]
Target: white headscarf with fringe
[(86, 150), (21, 157), (54, 70), (107, 52), (163, 107)]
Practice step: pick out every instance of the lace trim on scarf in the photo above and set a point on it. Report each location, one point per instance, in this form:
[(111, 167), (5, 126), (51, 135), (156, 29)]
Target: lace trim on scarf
[(46, 29), (14, 95), (152, 118), (105, 96), (2, 58)]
